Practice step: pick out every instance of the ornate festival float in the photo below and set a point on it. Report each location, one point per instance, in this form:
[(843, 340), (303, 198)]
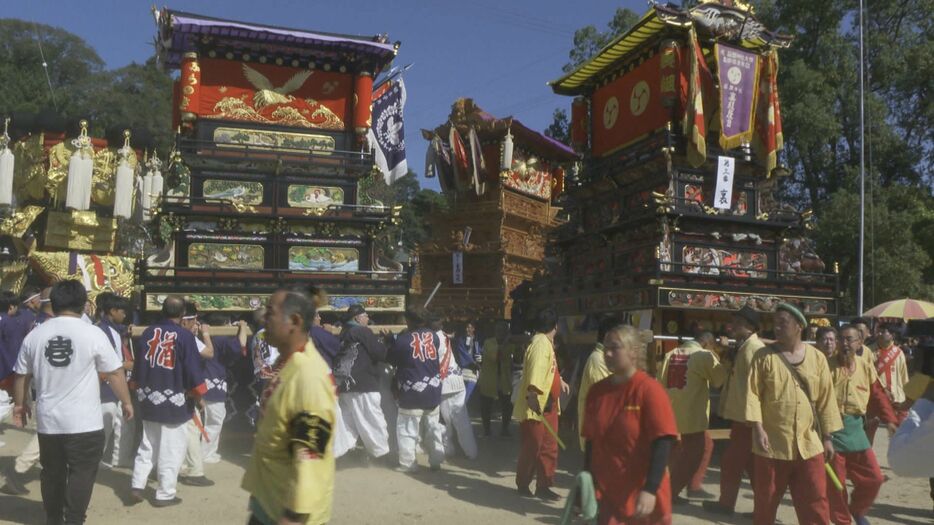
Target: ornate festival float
[(673, 219), (501, 180), (70, 203), (267, 186)]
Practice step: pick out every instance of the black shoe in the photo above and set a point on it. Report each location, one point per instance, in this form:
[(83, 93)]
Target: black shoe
[(525, 492), (13, 487), (135, 497), (160, 503), (678, 500), (716, 508), (199, 481), (547, 494), (700, 494)]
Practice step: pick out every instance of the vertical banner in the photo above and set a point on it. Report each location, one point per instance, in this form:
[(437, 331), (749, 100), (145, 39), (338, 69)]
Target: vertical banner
[(723, 198), (387, 136), (738, 73), (458, 267)]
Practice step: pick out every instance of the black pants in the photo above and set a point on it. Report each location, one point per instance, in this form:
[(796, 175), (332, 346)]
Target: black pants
[(69, 467), (486, 412)]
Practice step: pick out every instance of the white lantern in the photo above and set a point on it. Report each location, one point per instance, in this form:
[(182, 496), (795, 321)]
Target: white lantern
[(123, 186), (6, 167), (80, 172), (507, 152)]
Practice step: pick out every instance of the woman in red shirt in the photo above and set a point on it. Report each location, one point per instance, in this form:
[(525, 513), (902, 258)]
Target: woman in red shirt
[(630, 428)]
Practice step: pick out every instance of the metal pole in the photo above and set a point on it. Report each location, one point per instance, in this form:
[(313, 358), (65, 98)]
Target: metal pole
[(862, 171), (432, 296)]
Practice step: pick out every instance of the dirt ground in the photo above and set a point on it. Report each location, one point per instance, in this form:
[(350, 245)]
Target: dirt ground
[(464, 492)]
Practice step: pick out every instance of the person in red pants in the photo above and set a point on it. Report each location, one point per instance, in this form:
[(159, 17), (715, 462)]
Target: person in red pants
[(629, 428), (792, 405), (856, 384), (538, 403), (737, 456), (687, 373)]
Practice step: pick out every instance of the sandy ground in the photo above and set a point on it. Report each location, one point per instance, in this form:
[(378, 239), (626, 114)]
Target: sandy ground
[(470, 493)]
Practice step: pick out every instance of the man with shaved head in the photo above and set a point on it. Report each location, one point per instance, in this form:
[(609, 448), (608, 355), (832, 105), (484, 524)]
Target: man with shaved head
[(169, 380)]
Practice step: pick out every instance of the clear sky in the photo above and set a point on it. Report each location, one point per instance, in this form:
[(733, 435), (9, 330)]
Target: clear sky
[(499, 52)]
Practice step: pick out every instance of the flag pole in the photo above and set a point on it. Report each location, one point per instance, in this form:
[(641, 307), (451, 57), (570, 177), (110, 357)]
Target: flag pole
[(862, 171)]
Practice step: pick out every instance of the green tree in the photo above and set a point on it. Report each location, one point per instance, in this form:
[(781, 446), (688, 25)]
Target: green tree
[(135, 96), (588, 40), (900, 252), (412, 225), (560, 127)]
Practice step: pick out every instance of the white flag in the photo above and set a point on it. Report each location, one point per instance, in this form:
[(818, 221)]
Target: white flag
[(723, 198)]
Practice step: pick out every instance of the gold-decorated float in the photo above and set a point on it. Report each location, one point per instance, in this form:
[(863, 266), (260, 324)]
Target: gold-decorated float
[(672, 221), (501, 180), (61, 213), (268, 186)]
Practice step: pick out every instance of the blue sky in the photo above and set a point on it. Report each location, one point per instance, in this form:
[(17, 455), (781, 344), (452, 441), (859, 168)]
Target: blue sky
[(500, 53)]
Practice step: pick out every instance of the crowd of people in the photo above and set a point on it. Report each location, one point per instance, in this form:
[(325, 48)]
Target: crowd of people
[(156, 399)]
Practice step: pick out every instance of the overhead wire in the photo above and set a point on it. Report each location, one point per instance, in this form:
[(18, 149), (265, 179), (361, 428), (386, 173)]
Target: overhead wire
[(45, 65)]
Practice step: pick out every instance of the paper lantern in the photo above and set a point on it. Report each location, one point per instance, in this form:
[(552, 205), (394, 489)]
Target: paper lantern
[(80, 172), (6, 167), (153, 184), (123, 186), (506, 163)]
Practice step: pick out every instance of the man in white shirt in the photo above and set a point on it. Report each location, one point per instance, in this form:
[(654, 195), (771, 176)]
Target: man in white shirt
[(453, 398), (65, 358)]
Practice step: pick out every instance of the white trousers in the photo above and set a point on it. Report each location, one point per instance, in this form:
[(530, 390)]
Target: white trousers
[(363, 418), (193, 464), (113, 426), (215, 412), (165, 445), (408, 423), (457, 422)]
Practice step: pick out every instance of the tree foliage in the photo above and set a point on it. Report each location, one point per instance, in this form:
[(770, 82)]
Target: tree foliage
[(137, 96), (560, 127), (588, 40), (412, 227)]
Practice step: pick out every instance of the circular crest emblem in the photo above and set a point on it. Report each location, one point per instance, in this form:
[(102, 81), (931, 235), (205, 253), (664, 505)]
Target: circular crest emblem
[(734, 75), (639, 100), (610, 112)]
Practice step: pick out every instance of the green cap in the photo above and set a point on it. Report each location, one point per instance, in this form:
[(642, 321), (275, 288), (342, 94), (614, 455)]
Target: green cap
[(794, 312)]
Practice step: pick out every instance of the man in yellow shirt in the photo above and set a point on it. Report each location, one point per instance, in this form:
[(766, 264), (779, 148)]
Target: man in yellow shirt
[(495, 383), (865, 352), (792, 405), (595, 370), (537, 403), (291, 473), (737, 457), (855, 383), (687, 373)]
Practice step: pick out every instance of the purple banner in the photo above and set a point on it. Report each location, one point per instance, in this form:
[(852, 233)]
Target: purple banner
[(737, 72)]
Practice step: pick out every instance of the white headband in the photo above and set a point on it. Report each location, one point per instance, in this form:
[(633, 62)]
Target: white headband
[(189, 317), (31, 297)]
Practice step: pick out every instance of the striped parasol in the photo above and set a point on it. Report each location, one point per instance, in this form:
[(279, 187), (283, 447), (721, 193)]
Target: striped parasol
[(903, 309)]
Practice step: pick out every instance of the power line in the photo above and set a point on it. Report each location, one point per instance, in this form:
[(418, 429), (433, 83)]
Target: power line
[(45, 66)]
